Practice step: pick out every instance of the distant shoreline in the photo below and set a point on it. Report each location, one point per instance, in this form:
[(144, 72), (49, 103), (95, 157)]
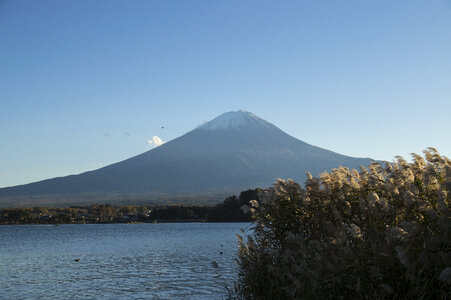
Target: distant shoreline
[(230, 210), (159, 222)]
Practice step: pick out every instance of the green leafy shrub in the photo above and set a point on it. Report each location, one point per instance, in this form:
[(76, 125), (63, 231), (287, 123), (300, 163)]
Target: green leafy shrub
[(381, 233)]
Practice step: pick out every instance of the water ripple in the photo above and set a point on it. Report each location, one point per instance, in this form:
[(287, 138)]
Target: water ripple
[(118, 261)]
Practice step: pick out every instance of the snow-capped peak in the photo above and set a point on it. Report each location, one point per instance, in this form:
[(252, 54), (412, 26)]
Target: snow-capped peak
[(232, 120)]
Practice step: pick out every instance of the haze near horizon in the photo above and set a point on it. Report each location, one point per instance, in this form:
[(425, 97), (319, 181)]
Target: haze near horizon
[(89, 83)]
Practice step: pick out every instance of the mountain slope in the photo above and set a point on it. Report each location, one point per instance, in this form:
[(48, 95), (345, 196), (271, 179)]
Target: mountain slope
[(234, 151)]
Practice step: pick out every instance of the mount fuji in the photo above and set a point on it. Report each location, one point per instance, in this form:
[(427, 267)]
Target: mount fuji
[(233, 152)]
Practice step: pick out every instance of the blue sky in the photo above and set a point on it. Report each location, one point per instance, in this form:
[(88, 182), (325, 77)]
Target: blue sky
[(87, 83)]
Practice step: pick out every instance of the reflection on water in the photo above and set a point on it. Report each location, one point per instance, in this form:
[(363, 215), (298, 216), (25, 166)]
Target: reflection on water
[(118, 261)]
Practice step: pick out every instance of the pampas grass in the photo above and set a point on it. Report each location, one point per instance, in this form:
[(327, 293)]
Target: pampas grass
[(383, 232)]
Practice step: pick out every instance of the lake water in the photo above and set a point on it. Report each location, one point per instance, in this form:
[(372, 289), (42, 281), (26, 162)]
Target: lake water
[(118, 261)]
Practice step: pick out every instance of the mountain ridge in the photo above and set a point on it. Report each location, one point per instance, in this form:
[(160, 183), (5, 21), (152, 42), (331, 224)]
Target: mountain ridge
[(233, 152)]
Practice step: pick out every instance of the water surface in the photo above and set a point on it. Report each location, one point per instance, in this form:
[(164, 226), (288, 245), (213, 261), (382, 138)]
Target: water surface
[(118, 261)]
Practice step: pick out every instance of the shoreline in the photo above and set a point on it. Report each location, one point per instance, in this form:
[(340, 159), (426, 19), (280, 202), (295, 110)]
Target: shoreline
[(104, 223)]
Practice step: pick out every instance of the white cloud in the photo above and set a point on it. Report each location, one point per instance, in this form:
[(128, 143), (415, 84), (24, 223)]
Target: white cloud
[(155, 142)]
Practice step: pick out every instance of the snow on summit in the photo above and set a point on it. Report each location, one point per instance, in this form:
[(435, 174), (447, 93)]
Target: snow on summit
[(233, 120)]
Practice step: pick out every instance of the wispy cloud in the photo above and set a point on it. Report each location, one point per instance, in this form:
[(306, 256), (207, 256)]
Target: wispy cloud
[(155, 142)]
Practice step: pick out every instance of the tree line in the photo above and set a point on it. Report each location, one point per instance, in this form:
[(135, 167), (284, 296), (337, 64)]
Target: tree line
[(227, 211)]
